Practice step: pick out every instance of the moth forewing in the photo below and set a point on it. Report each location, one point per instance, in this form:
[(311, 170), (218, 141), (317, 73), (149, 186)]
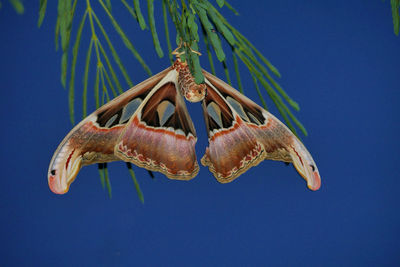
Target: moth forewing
[(257, 134), (92, 140), (158, 139)]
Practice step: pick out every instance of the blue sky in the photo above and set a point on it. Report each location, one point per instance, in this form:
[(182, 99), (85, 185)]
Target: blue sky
[(339, 60)]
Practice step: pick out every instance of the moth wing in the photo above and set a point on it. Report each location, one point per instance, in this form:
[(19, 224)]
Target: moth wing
[(242, 134), (93, 139), (160, 136)]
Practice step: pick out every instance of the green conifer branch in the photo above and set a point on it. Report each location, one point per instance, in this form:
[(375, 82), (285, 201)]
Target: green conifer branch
[(166, 28), (237, 72), (42, 11), (101, 174), (395, 14), (152, 23), (130, 9), (18, 6)]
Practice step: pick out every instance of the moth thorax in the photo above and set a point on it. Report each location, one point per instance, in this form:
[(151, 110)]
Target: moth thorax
[(190, 90)]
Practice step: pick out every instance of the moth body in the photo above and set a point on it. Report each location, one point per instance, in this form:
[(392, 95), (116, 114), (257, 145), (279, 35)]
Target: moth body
[(189, 89)]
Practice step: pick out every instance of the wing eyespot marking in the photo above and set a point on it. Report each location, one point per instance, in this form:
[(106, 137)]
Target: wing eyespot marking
[(110, 122), (237, 107), (253, 119), (165, 110), (215, 113), (129, 110)]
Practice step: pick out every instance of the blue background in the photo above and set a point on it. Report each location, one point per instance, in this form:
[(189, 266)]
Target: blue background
[(339, 59)]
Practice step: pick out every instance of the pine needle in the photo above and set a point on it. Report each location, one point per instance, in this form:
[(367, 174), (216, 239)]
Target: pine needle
[(85, 79), (395, 14), (236, 65), (139, 15), (132, 173), (152, 23), (114, 54), (18, 6), (126, 40), (42, 11), (73, 68), (167, 32)]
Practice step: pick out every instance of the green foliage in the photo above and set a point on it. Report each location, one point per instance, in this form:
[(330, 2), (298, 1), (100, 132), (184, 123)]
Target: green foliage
[(211, 33), (18, 6), (237, 72), (139, 15), (166, 28), (150, 8), (132, 173), (395, 14), (104, 178), (42, 11), (231, 8)]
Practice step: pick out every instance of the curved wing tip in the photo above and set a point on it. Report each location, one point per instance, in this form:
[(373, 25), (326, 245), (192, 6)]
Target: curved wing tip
[(55, 188), (313, 188), (58, 192), (315, 185)]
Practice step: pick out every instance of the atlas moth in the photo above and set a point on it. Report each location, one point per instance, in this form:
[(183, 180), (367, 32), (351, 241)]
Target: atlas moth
[(149, 126)]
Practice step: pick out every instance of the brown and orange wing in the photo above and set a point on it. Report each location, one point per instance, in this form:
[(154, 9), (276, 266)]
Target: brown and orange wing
[(95, 139), (161, 136), (242, 134)]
